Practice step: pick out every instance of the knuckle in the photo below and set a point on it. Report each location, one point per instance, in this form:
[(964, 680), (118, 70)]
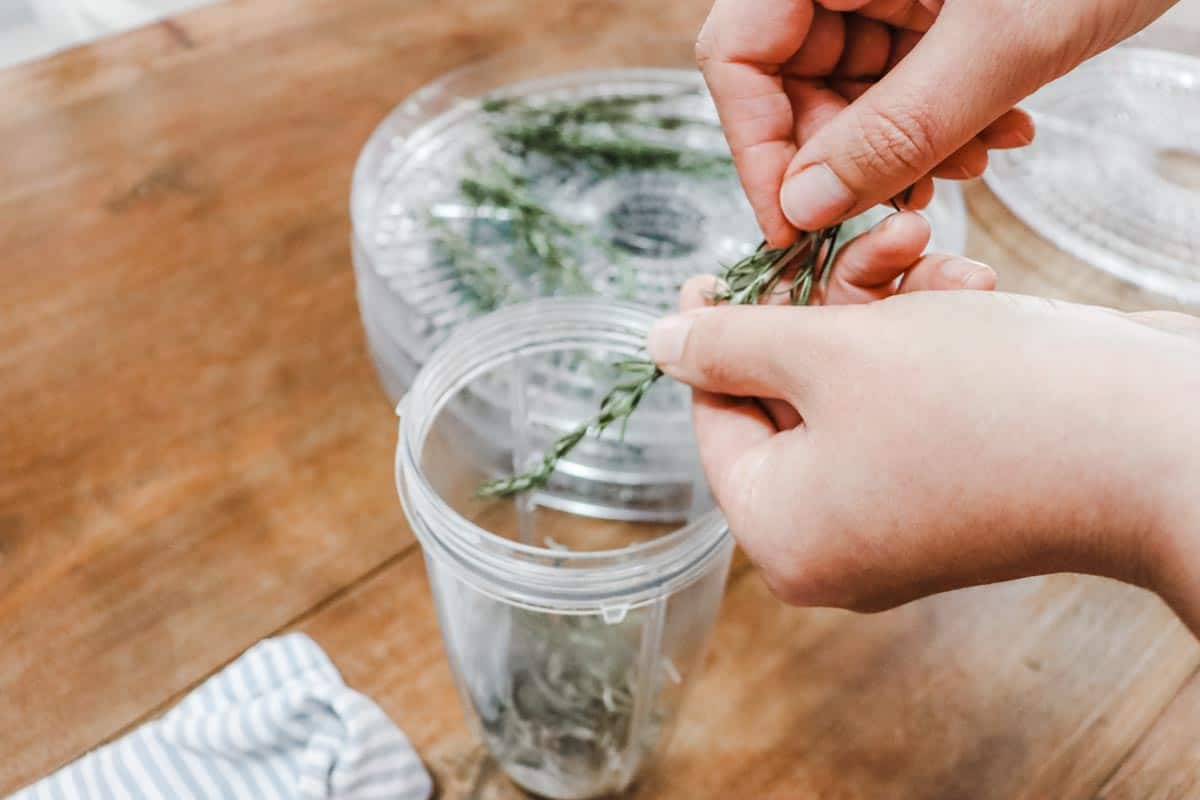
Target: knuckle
[(714, 369), (797, 585), (868, 603), (705, 50), (892, 137), (704, 349), (790, 588), (825, 576), (795, 578), (735, 492), (799, 582)]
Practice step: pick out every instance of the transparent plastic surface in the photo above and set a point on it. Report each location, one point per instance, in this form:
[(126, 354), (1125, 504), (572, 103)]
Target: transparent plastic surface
[(574, 705), (572, 639), (1114, 174)]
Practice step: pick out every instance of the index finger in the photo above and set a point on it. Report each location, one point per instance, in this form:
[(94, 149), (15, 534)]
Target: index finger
[(741, 51)]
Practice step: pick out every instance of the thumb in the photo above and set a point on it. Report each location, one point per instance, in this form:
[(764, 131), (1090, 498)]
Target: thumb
[(745, 351), (960, 77)]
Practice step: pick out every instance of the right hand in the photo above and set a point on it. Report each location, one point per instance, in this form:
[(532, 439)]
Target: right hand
[(944, 439), (833, 106)]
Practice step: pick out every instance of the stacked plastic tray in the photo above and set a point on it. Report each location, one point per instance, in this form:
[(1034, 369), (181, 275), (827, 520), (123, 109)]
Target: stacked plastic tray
[(1114, 174)]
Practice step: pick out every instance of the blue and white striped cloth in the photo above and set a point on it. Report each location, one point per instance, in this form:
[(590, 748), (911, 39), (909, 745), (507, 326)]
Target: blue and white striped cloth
[(277, 724)]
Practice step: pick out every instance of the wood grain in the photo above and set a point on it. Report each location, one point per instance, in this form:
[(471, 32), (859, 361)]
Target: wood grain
[(194, 453), (1165, 765)]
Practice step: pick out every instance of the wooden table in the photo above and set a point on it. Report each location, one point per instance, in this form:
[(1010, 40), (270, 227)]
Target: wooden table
[(194, 452)]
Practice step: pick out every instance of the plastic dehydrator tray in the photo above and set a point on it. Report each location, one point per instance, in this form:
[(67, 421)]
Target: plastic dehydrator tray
[(1114, 172)]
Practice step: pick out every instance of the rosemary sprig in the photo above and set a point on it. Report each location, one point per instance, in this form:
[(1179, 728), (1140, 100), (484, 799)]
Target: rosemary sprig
[(482, 279), (820, 255), (544, 238), (614, 109), (748, 281), (601, 133), (757, 276), (604, 154), (638, 375), (618, 111)]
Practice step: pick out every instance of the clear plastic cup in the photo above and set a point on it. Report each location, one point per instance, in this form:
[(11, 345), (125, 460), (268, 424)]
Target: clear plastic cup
[(572, 638)]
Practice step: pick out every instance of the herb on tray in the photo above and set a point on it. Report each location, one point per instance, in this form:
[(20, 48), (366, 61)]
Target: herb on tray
[(483, 280), (605, 134)]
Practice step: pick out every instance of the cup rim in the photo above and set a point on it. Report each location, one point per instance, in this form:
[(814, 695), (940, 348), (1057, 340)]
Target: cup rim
[(625, 576)]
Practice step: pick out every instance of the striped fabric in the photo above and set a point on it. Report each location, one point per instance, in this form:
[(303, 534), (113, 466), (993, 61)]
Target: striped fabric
[(277, 724)]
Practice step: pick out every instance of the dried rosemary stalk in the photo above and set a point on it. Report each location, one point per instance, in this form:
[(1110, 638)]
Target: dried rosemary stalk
[(748, 281), (604, 134), (561, 716), (482, 279)]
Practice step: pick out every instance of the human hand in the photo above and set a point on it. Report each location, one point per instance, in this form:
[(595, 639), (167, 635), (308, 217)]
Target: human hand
[(948, 439), (882, 262), (856, 101), (887, 259)]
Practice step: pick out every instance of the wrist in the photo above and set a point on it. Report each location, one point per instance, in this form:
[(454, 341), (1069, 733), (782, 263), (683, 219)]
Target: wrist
[(1173, 569)]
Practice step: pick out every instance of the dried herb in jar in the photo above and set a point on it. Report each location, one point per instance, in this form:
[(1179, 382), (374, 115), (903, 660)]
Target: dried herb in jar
[(564, 718)]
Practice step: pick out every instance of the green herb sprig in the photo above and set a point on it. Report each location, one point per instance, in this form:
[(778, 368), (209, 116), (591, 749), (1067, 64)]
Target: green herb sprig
[(544, 239), (604, 134), (637, 377), (614, 109), (605, 155), (483, 279), (749, 281)]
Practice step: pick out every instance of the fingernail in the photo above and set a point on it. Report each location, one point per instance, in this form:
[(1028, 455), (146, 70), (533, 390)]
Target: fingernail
[(890, 221), (979, 279), (667, 338), (815, 196), (967, 273)]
